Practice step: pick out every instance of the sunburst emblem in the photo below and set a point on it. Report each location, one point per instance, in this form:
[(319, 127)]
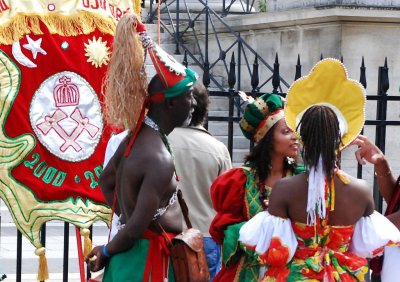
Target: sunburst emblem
[(97, 52)]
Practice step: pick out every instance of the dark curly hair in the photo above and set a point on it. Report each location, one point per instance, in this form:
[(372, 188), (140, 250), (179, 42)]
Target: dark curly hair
[(260, 156), (320, 133), (200, 94)]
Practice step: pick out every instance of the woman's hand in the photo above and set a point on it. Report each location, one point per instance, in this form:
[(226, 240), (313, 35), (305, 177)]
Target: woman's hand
[(367, 151)]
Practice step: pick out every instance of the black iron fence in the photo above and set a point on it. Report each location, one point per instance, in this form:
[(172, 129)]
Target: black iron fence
[(243, 6), (194, 27)]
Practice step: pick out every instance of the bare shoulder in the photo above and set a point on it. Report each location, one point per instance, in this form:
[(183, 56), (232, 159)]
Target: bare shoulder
[(290, 188), (355, 184), (282, 193), (357, 190), (354, 190), (150, 157), (290, 182)]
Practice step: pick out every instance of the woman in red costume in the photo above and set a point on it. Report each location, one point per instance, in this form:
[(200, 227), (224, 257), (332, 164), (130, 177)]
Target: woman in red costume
[(241, 193)]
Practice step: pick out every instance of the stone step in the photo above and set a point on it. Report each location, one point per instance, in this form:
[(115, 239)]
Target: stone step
[(165, 37), (239, 142), (219, 103), (218, 113), (169, 48), (239, 155), (220, 128), (184, 17), (178, 58), (190, 60)]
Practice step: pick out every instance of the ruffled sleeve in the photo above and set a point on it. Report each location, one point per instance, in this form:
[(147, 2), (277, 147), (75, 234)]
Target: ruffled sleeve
[(271, 237), (227, 195), (372, 233)]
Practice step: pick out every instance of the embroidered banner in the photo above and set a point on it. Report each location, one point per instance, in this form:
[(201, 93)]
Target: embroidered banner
[(53, 56)]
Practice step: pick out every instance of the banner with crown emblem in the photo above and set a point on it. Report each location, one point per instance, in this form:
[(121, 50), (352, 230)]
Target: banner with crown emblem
[(53, 57)]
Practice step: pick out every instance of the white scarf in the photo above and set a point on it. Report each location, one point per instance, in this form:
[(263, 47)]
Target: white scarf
[(316, 193)]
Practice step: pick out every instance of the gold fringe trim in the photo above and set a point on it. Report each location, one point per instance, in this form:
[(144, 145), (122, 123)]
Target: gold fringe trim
[(239, 269), (137, 4), (80, 23), (43, 271), (87, 243)]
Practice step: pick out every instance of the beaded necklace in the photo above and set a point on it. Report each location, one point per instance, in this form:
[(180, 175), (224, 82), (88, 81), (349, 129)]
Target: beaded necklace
[(149, 122), (265, 192)]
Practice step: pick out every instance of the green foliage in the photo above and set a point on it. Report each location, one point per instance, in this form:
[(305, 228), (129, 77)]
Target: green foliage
[(262, 5)]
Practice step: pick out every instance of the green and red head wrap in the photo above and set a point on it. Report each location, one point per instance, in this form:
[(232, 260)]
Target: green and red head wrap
[(260, 115)]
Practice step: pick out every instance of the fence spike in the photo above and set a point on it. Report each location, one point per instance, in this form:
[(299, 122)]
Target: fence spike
[(298, 68), (275, 76), (385, 78), (255, 80), (232, 72), (363, 79)]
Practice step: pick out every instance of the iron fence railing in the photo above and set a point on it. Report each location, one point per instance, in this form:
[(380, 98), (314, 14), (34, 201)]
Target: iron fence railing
[(244, 6), (194, 29)]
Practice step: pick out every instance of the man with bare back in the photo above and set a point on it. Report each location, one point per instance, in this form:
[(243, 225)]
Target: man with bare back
[(141, 174)]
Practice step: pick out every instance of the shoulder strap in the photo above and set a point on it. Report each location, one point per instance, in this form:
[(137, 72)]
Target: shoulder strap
[(184, 208)]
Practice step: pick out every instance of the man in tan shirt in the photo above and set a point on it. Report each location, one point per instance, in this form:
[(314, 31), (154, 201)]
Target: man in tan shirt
[(199, 159)]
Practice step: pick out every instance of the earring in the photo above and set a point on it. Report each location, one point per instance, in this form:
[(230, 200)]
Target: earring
[(290, 160)]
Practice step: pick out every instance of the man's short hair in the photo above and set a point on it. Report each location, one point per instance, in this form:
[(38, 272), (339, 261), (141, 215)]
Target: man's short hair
[(200, 94), (155, 85)]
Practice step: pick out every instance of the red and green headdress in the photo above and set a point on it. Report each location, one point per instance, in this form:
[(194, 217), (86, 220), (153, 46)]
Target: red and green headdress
[(176, 78), (260, 115)]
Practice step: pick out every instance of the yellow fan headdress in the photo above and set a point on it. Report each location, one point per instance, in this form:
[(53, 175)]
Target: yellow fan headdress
[(328, 84)]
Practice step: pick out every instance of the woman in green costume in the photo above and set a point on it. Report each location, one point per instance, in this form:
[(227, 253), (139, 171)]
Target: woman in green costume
[(241, 193)]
